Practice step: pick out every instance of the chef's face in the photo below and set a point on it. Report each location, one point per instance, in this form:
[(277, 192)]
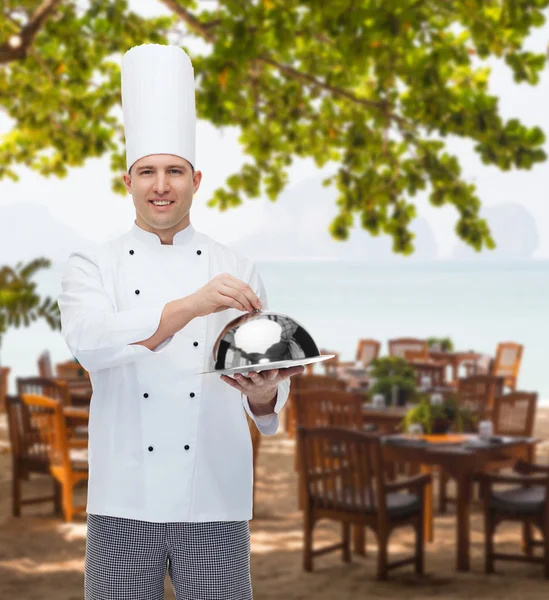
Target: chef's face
[(164, 178)]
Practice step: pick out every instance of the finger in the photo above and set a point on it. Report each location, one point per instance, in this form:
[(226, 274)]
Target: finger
[(229, 300), (271, 374), (244, 289), (290, 371), (256, 378), (232, 383), (232, 292), (243, 381)]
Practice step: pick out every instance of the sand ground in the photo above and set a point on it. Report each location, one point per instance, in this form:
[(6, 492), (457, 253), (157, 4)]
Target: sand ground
[(42, 558)]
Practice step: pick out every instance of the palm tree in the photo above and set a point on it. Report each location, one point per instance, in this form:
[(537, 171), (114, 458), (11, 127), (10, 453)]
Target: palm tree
[(19, 301)]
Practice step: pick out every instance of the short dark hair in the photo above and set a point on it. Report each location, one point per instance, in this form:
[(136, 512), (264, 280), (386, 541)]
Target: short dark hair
[(130, 170)]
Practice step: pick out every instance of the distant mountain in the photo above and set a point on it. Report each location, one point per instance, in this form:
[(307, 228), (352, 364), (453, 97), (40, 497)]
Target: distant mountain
[(29, 230), (514, 230), (296, 228)]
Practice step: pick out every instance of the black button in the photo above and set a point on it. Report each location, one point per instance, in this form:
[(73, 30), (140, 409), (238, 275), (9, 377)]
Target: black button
[(195, 344), (187, 447), (199, 252), (192, 394), (131, 251), (150, 448), (145, 395), (137, 292)]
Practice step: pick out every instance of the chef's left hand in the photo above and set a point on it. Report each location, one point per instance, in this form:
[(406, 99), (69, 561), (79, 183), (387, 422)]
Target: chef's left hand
[(260, 388)]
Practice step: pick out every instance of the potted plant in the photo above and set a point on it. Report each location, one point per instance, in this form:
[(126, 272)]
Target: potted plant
[(20, 304), (393, 377), (443, 344), (439, 417)]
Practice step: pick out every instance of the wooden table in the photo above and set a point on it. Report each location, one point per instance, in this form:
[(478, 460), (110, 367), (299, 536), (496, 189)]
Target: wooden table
[(386, 419), (454, 360), (461, 462)]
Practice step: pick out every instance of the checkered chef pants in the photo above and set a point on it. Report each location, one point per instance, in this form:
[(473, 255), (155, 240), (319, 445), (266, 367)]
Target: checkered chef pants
[(127, 560)]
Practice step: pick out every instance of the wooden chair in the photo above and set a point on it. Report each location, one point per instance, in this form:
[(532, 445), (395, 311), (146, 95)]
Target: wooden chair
[(255, 434), (515, 414), (305, 382), (507, 363), (4, 373), (27, 456), (431, 370), (56, 389), (331, 365), (476, 394), (349, 486), (49, 438), (329, 408), (367, 350), (527, 502), (72, 371), (399, 347), (45, 386), (79, 387)]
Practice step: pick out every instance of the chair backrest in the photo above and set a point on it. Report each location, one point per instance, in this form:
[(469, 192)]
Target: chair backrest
[(301, 383), (507, 361), (49, 432), (44, 364), (515, 414), (434, 373), (4, 373), (330, 365), (71, 371), (23, 437), (341, 469), (367, 351), (329, 408), (399, 347), (44, 386), (477, 392)]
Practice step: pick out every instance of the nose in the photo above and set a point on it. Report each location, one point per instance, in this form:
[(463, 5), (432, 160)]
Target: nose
[(161, 185)]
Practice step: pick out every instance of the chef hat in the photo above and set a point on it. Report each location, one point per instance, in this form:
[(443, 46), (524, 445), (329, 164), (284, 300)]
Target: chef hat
[(158, 102)]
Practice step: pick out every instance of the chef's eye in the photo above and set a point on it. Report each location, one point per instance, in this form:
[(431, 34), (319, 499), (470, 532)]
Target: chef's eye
[(176, 170)]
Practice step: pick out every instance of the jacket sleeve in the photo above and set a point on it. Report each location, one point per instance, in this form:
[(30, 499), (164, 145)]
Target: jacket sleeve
[(99, 336), (267, 424)]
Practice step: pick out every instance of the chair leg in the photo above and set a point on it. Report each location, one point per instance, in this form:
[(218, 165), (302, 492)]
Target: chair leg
[(359, 540), (545, 535), (308, 524), (489, 531), (68, 507), (442, 489), (57, 497), (420, 544), (346, 531), (382, 558), (16, 494)]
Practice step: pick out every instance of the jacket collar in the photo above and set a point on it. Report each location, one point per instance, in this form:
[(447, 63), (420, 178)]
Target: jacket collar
[(151, 239)]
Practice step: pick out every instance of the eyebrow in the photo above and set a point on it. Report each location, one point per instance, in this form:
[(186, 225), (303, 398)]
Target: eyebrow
[(153, 167)]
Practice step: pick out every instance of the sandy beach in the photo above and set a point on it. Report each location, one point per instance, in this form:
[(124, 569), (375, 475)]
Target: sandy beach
[(43, 558)]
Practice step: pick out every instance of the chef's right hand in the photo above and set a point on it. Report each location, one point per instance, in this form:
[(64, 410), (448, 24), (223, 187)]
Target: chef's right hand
[(222, 292)]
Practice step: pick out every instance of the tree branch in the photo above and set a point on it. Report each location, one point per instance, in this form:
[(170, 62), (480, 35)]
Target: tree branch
[(27, 34), (204, 30)]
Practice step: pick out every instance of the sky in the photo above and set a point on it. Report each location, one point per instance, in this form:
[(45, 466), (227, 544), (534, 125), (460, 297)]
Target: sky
[(83, 205)]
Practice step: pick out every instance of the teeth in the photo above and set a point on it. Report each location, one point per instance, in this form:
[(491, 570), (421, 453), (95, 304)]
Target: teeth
[(161, 203)]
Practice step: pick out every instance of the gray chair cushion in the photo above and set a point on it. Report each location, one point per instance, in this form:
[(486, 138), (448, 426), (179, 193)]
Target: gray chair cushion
[(519, 500), (399, 504)]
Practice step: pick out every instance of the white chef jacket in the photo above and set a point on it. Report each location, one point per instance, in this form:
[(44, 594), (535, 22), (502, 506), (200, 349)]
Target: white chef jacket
[(165, 443)]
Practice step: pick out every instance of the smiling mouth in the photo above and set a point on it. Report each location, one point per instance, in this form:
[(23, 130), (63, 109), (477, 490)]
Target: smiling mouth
[(161, 203)]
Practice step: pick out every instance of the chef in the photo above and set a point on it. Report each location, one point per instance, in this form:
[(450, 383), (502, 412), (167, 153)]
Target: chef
[(170, 455)]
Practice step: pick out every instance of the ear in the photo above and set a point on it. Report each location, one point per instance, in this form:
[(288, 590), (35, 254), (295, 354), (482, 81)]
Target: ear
[(127, 182), (197, 178)]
